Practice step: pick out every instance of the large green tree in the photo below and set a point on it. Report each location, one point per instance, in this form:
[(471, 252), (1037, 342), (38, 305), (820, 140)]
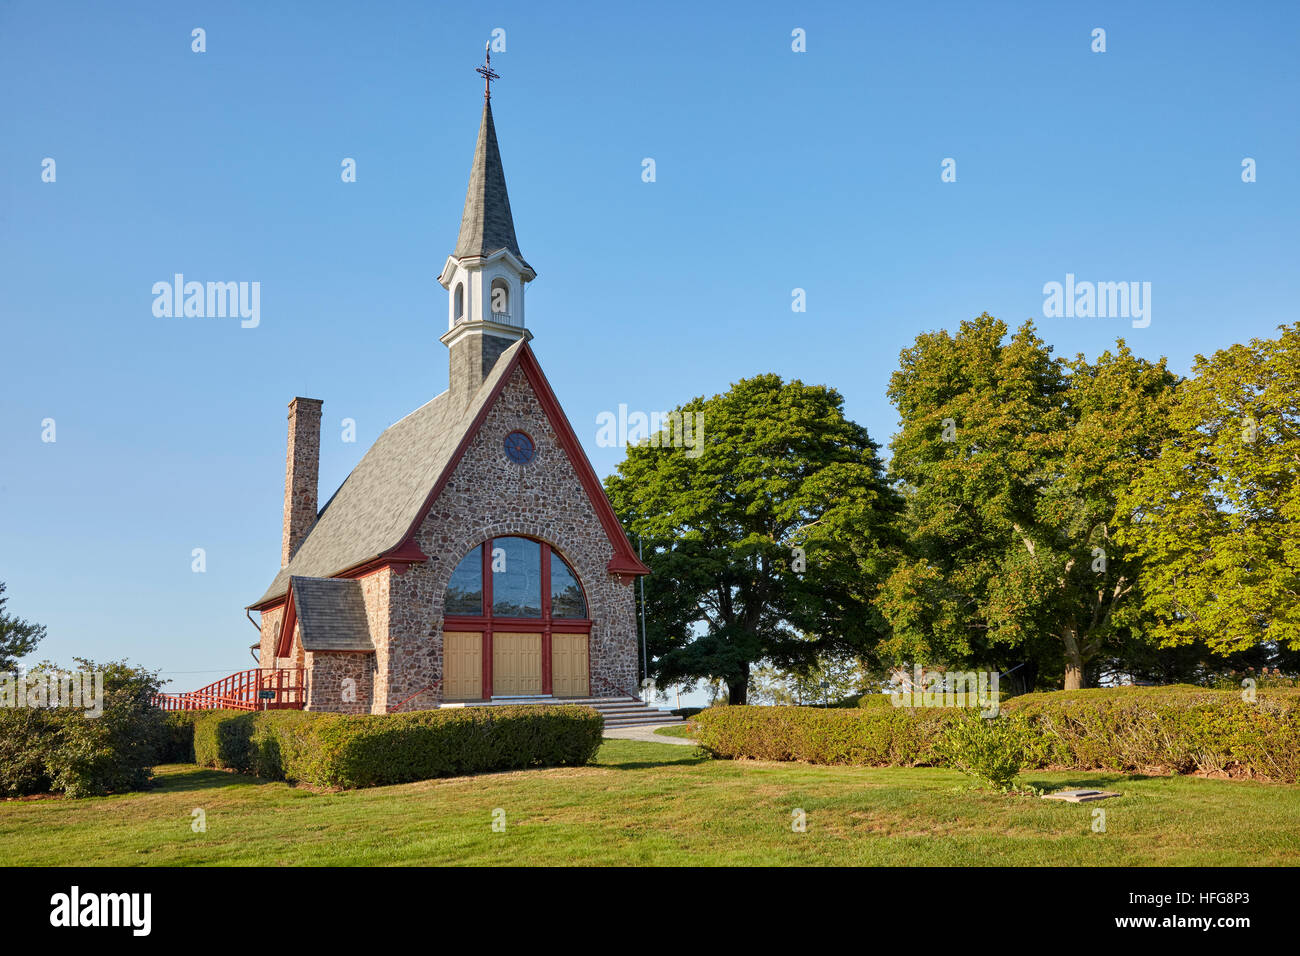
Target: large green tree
[(18, 638), (779, 468), (1013, 462), (1218, 515)]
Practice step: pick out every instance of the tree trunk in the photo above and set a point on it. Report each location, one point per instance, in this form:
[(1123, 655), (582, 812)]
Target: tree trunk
[(738, 687), (1073, 660)]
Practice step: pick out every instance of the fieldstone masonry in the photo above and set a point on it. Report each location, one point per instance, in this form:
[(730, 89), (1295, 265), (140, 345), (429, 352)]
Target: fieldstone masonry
[(486, 496), (472, 358), (271, 623), (301, 474), (489, 496), (329, 688)]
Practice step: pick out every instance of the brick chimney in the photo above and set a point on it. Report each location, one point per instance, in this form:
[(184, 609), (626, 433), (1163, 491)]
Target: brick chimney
[(301, 474)]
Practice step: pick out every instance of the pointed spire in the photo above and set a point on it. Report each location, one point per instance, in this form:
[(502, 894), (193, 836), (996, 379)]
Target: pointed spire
[(486, 224)]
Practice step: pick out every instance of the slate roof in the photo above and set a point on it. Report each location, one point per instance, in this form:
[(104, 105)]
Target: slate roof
[(486, 224), (331, 614), (377, 504)]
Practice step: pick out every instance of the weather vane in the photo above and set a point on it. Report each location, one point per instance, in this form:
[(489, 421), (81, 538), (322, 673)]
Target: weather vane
[(486, 72)]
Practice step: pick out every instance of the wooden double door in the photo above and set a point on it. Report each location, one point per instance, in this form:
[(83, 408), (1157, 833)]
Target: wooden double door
[(482, 664)]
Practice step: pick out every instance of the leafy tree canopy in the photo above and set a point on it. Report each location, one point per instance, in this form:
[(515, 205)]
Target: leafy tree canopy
[(1218, 514), (18, 638), (1013, 462), (780, 468)]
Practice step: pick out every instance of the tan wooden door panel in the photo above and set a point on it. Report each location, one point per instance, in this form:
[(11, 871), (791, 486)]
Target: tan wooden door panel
[(516, 664), (462, 665), (569, 665)]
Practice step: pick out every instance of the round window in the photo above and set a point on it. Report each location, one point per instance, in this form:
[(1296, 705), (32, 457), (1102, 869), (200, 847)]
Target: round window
[(519, 448)]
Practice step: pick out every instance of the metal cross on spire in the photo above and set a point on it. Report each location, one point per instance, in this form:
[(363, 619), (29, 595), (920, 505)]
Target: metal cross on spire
[(486, 71)]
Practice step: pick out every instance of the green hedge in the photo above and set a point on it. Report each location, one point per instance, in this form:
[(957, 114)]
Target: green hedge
[(1179, 729), (45, 750), (337, 750), (874, 736), (178, 740)]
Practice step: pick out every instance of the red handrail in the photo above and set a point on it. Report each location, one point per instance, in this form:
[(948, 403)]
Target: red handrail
[(243, 691)]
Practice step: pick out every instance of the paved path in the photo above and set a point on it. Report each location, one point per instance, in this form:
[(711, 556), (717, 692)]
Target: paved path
[(647, 733)]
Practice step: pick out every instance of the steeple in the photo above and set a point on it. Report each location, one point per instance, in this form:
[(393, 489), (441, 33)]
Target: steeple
[(486, 224), (486, 273)]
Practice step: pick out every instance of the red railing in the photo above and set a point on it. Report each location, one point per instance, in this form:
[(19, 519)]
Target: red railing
[(285, 687)]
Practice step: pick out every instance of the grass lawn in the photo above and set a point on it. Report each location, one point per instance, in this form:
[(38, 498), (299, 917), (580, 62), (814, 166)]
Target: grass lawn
[(677, 730), (646, 803)]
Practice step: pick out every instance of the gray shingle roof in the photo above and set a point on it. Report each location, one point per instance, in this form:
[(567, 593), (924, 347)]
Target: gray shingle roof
[(331, 614), (486, 224), (377, 504)]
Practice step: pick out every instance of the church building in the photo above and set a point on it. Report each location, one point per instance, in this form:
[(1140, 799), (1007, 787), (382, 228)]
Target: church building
[(472, 554)]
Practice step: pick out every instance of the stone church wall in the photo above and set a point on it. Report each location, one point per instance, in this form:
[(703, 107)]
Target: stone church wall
[(328, 689), (490, 496)]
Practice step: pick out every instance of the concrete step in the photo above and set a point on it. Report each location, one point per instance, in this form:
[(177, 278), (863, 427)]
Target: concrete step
[(628, 708), (602, 701), (617, 711), (643, 716)]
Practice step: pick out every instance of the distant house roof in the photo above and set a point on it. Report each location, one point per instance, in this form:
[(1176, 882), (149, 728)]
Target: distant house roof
[(486, 224), (331, 614), (378, 508)]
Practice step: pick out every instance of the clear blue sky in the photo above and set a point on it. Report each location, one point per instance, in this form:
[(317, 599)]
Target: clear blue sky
[(775, 170)]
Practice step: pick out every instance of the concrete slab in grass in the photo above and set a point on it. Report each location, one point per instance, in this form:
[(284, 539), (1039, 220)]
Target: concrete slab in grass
[(1080, 796)]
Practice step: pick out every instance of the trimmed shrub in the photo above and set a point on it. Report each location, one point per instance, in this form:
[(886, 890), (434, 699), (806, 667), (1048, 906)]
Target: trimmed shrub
[(873, 736), (223, 739), (867, 699), (178, 738), (872, 700), (991, 749), (342, 750), (1181, 729)]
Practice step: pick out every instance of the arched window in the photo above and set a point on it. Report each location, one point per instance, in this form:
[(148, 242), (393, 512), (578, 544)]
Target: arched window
[(566, 596), (465, 589), (525, 579), (515, 624), (500, 297), (460, 301)]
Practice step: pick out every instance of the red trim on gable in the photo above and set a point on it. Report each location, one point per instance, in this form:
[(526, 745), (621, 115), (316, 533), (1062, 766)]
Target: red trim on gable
[(624, 562), (399, 558)]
